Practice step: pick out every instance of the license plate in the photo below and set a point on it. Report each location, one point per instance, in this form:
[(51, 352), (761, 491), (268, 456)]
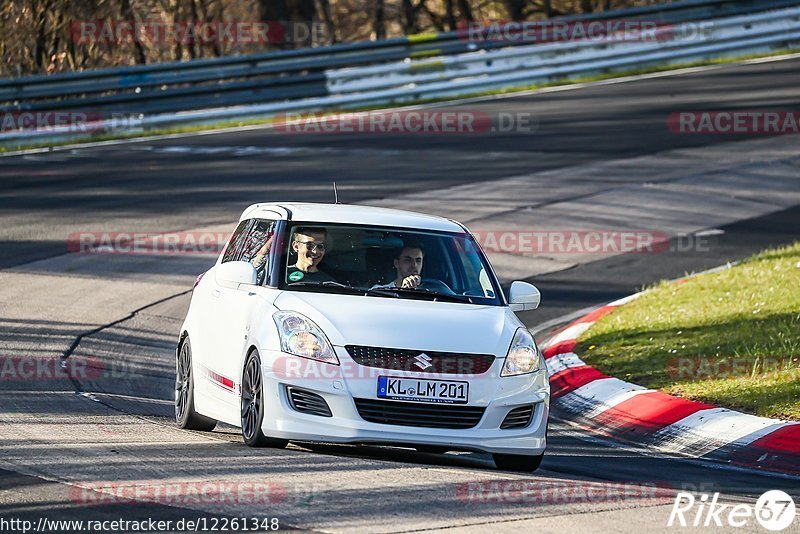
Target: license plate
[(412, 389)]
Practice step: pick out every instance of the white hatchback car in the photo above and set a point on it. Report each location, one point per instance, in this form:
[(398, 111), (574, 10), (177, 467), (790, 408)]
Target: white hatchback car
[(352, 324)]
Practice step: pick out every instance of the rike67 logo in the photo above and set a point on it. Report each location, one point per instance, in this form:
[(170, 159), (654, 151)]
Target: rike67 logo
[(774, 511)]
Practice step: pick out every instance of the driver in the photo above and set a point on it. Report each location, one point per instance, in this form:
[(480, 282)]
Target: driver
[(408, 265), (310, 246)]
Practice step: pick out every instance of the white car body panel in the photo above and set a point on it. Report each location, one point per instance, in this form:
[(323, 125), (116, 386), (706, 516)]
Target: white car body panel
[(385, 322), (224, 324), (348, 214)]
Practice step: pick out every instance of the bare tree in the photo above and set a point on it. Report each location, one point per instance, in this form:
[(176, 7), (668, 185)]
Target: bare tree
[(466, 10), (39, 36), (205, 7), (127, 14), (516, 9), (410, 24), (379, 20), (303, 18), (327, 17)]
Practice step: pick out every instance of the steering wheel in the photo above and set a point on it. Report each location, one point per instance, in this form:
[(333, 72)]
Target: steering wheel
[(436, 286)]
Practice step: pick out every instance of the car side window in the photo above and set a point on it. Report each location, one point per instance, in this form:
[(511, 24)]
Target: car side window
[(474, 272), (236, 243), (252, 241), (257, 246)]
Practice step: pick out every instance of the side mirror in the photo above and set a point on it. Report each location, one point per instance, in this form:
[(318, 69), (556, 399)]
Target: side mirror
[(523, 296), (233, 273)]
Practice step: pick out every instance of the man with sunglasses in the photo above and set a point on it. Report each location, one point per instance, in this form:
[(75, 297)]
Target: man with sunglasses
[(309, 245)]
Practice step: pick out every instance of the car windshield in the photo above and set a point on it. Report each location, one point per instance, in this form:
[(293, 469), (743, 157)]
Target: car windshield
[(388, 263)]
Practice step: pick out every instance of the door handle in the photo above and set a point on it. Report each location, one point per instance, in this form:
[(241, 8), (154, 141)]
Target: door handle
[(215, 293)]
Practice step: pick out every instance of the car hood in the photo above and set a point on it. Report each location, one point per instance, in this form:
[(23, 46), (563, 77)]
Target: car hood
[(405, 323)]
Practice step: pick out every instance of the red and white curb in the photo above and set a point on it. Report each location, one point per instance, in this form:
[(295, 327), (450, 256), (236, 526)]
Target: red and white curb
[(632, 413)]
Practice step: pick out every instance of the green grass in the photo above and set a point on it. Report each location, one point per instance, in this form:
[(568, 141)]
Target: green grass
[(730, 338), (493, 92)]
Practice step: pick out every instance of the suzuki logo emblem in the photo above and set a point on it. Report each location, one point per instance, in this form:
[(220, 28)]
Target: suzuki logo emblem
[(423, 361)]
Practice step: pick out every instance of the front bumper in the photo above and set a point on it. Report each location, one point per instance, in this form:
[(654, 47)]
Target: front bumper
[(339, 385)]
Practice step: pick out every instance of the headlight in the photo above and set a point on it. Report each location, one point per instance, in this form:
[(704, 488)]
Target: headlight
[(523, 355), (302, 337)]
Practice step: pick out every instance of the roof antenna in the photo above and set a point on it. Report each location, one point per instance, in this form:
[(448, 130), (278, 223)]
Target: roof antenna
[(335, 194)]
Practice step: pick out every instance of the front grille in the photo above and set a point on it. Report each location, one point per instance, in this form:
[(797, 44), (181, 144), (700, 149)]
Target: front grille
[(419, 414), (407, 360), (306, 402), (518, 417)]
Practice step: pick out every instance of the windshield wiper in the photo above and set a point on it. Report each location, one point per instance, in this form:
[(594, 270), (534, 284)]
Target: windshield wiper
[(418, 292), (330, 284), (421, 293)]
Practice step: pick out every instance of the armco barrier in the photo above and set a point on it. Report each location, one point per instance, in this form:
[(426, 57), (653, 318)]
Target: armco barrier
[(387, 72), (142, 76), (679, 41)]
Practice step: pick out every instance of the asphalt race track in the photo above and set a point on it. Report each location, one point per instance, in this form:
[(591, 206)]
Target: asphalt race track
[(126, 309)]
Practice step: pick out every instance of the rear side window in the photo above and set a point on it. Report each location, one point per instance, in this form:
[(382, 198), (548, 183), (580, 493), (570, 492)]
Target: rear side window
[(252, 241), (235, 245)]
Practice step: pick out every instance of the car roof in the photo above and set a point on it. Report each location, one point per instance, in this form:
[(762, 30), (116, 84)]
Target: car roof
[(351, 214)]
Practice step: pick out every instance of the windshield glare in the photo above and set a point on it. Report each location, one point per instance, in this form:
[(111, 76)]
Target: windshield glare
[(387, 262)]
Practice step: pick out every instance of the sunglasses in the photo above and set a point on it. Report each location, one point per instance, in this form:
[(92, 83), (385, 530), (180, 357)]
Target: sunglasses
[(313, 246)]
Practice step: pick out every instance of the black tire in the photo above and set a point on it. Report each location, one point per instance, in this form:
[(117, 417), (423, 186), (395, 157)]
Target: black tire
[(185, 415), (517, 462), (253, 408)]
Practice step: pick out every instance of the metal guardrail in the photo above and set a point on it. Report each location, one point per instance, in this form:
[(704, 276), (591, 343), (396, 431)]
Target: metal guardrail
[(675, 41), (131, 86), (422, 43), (397, 70), (756, 33)]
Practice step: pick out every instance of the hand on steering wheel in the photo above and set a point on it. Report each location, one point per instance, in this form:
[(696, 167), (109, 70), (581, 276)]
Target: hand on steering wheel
[(411, 282), (435, 286)]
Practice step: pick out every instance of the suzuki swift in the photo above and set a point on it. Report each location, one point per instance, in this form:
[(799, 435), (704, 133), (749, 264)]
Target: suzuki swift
[(352, 324)]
